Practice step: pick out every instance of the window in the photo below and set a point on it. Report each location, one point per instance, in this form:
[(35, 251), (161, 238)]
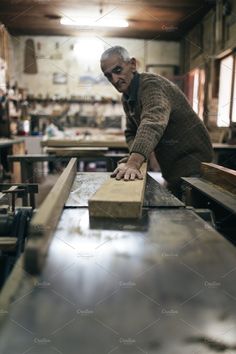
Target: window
[(227, 92), (196, 90), (233, 117)]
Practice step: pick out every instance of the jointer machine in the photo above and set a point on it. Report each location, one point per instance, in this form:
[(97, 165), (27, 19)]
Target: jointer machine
[(160, 283), (14, 222)]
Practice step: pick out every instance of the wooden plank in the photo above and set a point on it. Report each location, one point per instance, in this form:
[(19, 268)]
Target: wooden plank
[(216, 193), (222, 176), (119, 199), (8, 243), (94, 141), (77, 151), (46, 218)]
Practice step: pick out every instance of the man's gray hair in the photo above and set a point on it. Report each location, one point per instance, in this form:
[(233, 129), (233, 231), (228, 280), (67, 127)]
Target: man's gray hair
[(116, 50)]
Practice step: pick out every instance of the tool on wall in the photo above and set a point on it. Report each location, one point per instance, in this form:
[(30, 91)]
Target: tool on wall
[(30, 63)]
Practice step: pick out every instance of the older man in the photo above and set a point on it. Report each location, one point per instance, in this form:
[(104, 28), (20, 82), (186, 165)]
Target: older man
[(159, 119)]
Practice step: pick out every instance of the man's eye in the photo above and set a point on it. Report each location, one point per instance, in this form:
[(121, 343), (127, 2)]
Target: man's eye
[(117, 70)]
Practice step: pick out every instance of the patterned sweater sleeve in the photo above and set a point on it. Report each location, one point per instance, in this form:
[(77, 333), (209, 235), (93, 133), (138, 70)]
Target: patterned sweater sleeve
[(155, 112)]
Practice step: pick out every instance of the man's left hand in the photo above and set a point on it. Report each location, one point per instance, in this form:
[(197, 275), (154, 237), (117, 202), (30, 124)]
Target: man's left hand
[(127, 171)]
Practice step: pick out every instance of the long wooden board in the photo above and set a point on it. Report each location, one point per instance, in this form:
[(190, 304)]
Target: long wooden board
[(219, 175), (108, 141), (214, 192), (119, 199), (77, 151), (46, 219)]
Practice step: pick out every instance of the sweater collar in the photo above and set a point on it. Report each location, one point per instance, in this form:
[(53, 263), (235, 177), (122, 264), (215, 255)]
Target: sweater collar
[(133, 91)]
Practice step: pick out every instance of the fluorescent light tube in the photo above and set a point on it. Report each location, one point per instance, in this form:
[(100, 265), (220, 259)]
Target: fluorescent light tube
[(89, 22)]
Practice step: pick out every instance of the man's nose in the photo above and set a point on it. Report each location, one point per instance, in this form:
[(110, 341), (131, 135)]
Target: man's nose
[(114, 78)]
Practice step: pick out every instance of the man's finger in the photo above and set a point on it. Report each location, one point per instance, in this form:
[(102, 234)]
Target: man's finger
[(139, 175), (114, 173), (126, 176), (132, 176), (120, 175)]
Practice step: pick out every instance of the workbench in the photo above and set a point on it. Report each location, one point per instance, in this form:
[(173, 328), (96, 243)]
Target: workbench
[(215, 189), (97, 139), (162, 284), (11, 147), (29, 174)]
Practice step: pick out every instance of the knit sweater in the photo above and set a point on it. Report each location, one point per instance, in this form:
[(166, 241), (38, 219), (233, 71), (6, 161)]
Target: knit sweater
[(160, 118)]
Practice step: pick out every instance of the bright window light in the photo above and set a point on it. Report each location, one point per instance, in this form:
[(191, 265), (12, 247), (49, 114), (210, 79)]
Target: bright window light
[(234, 99), (195, 90), (93, 22), (197, 81), (89, 49), (226, 71)]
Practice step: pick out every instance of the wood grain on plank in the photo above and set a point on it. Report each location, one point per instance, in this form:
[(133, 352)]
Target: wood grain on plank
[(219, 175), (119, 199), (46, 219), (77, 151), (93, 141), (213, 191)]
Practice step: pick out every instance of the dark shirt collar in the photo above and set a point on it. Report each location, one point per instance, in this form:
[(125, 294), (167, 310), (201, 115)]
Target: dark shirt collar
[(133, 90)]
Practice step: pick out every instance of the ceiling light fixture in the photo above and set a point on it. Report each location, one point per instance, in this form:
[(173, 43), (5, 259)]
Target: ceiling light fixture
[(89, 22)]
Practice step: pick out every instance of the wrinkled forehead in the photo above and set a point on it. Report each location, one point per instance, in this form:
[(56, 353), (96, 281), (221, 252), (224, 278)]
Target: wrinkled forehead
[(111, 62)]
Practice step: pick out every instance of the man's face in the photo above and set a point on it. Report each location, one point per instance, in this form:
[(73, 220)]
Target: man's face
[(119, 72)]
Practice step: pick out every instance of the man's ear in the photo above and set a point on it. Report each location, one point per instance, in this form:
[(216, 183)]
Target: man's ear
[(133, 64)]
